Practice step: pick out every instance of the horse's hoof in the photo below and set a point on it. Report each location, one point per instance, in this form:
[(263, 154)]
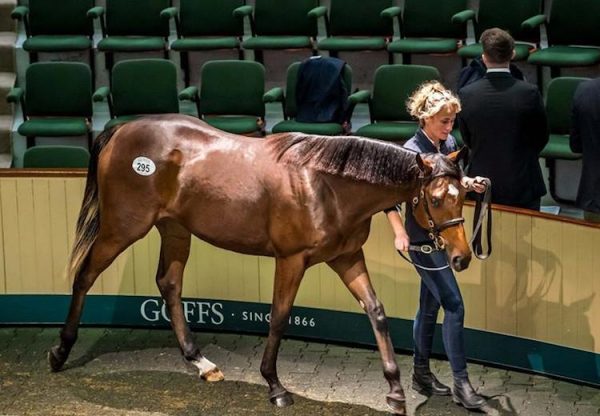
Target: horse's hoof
[(56, 359), (284, 399), (397, 404), (213, 375)]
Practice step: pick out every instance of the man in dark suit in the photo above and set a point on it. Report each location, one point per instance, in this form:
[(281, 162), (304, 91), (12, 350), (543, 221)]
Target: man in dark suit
[(503, 122), (585, 139)]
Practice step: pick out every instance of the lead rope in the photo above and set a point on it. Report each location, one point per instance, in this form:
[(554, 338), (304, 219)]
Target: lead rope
[(424, 248), (483, 207), (420, 266)]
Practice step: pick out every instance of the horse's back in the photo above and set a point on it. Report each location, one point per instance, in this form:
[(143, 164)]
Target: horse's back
[(220, 186)]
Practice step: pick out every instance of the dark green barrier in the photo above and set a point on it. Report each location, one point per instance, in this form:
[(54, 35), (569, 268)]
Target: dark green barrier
[(310, 323)]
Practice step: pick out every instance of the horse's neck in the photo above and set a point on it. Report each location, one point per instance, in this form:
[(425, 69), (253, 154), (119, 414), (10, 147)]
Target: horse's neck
[(363, 200)]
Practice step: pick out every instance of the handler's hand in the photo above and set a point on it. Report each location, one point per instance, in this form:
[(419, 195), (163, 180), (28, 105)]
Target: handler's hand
[(476, 184), (401, 242)]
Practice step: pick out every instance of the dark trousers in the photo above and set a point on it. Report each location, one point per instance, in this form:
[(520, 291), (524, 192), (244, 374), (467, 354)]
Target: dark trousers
[(439, 288)]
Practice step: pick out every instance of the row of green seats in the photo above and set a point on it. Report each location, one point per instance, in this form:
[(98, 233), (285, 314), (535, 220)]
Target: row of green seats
[(57, 100), (425, 27)]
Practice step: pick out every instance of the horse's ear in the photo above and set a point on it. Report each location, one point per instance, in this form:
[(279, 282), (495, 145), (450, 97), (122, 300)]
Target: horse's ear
[(460, 154), (425, 165)]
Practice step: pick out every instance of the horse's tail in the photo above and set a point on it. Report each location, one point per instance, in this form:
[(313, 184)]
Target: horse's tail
[(88, 222)]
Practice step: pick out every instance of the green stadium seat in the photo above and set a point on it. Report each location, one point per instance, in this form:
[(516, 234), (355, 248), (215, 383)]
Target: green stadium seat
[(56, 26), (559, 100), (430, 27), (205, 25), (56, 156), (56, 102), (280, 24), (140, 87), (573, 36), (495, 13), (392, 85), (132, 26), (357, 25), (226, 103)]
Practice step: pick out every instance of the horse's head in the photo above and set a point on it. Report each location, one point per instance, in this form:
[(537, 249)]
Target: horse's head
[(438, 204)]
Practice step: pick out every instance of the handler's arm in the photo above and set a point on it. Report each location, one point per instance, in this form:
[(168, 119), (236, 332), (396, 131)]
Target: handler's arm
[(401, 240)]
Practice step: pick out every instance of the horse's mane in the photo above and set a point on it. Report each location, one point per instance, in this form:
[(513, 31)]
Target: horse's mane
[(359, 158)]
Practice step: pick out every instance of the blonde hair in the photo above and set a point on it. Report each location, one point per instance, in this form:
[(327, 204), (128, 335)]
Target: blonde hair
[(429, 99)]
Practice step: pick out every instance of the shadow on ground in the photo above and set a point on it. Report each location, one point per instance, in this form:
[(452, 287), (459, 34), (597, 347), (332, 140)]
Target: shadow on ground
[(179, 394), (148, 392)]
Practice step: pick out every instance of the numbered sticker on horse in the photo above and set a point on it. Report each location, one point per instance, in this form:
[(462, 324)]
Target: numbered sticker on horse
[(143, 166)]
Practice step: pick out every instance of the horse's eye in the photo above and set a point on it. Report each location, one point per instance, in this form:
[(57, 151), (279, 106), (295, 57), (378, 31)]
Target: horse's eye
[(435, 202)]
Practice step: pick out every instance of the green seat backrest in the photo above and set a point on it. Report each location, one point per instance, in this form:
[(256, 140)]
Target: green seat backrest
[(574, 22), (210, 18), (56, 156), (360, 18), (393, 84), (64, 17), (290, 86), (285, 17), (58, 89), (433, 18), (559, 99), (232, 87), (144, 86), (136, 18), (496, 13)]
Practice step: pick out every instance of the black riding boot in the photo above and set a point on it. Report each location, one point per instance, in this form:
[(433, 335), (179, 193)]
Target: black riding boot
[(464, 394), (425, 383)]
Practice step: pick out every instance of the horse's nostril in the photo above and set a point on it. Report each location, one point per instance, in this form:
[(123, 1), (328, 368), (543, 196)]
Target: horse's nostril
[(457, 262), (460, 263)]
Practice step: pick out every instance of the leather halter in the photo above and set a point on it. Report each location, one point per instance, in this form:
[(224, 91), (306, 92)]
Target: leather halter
[(482, 209), (435, 229)]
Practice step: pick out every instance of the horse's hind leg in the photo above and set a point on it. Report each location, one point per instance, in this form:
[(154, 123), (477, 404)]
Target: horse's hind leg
[(174, 252), (108, 245), (353, 271), (288, 274)]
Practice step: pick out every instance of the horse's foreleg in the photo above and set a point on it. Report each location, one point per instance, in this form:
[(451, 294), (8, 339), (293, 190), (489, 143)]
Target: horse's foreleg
[(353, 271), (288, 274), (104, 250), (174, 252)]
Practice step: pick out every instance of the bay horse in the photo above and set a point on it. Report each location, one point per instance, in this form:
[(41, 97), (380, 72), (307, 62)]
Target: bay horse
[(299, 198)]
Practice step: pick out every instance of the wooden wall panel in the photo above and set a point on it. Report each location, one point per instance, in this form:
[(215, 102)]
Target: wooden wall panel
[(593, 313), (29, 279), (524, 308), (585, 284), (569, 296), (553, 279), (43, 236), (502, 276), (10, 228), (472, 282), (60, 236), (541, 282), (309, 293), (2, 258), (145, 262), (266, 273)]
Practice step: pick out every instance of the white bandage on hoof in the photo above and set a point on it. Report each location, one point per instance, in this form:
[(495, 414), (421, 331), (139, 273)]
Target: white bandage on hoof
[(208, 370), (204, 365)]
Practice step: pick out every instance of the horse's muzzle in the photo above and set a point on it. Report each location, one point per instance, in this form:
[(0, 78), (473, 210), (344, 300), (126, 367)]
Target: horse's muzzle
[(460, 263)]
